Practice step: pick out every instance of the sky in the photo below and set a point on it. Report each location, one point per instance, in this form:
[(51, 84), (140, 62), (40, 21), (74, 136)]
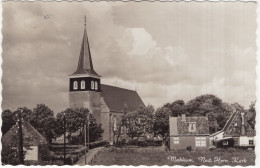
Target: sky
[(165, 50)]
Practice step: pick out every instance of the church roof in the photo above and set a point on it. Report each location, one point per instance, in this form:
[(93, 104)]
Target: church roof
[(117, 98), (85, 65), (31, 137)]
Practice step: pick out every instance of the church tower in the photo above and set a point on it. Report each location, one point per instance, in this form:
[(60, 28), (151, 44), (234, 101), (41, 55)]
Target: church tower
[(84, 83)]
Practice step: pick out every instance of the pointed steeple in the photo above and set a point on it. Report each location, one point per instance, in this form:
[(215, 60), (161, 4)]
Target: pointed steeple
[(85, 65)]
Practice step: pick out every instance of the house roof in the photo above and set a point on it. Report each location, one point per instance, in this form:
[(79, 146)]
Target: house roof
[(234, 124), (229, 121), (85, 65), (117, 98), (31, 137), (216, 133), (202, 126)]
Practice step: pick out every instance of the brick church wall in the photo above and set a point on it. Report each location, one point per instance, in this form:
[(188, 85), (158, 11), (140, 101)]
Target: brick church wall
[(95, 103), (88, 99)]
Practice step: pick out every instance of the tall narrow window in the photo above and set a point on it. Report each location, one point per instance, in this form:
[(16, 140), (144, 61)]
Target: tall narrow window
[(115, 124), (92, 85), (192, 126), (75, 85), (82, 85), (96, 85)]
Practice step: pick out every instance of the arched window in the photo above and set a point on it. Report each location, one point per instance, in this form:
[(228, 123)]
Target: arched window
[(92, 85), (75, 85), (82, 85), (115, 124), (96, 85)]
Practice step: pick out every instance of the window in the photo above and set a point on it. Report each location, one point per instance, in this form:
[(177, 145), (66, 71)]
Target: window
[(176, 140), (192, 126), (82, 84), (96, 85), (251, 142), (200, 141), (92, 84), (75, 85), (225, 142), (235, 141), (115, 126)]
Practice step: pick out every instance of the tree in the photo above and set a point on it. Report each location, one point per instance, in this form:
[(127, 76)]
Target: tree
[(211, 106), (161, 125), (177, 107), (8, 120), (203, 104), (121, 124), (140, 121), (95, 130), (43, 120), (251, 114), (26, 113), (75, 121)]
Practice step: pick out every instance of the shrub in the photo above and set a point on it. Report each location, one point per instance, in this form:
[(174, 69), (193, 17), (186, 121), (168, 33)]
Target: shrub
[(189, 148), (45, 153), (212, 148), (231, 150)]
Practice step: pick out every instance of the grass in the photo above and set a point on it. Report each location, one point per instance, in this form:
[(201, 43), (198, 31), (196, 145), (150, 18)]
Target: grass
[(156, 156)]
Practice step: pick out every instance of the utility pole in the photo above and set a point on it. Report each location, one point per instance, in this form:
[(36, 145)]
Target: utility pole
[(20, 137), (85, 142), (88, 131), (64, 147)]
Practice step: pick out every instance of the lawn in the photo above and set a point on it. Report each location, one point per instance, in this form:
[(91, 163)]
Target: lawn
[(157, 156)]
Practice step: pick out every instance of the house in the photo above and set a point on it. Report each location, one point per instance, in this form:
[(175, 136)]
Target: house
[(236, 132), (188, 131), (107, 103), (32, 141)]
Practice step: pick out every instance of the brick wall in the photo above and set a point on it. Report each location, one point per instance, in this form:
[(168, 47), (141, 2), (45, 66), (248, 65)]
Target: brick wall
[(88, 99), (185, 141), (96, 104)]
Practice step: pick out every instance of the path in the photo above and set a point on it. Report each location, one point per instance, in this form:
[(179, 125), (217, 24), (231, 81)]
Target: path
[(90, 156)]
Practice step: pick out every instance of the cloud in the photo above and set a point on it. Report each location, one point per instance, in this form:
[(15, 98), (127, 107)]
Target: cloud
[(167, 51), (142, 41)]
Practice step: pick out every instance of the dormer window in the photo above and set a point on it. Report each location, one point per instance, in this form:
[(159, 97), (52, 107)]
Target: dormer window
[(82, 85), (75, 85), (192, 126), (92, 85), (96, 85)]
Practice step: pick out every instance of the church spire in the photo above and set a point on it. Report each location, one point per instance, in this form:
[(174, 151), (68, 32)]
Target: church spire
[(85, 65)]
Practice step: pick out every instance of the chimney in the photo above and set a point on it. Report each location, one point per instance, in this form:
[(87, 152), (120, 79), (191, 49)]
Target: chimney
[(183, 117), (243, 131)]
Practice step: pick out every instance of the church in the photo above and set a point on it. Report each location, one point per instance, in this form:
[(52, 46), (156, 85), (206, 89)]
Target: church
[(107, 103)]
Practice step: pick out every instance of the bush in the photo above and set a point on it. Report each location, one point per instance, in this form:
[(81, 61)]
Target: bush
[(98, 144), (9, 155), (212, 148), (45, 153), (231, 150), (189, 148)]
